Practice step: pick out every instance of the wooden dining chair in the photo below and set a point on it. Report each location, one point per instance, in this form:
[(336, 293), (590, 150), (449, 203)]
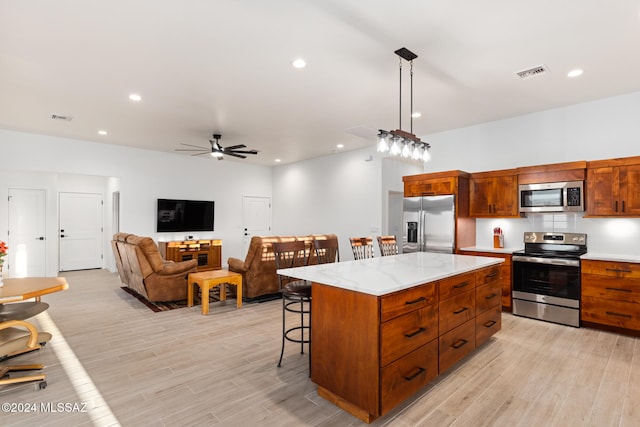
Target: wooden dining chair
[(327, 250), (388, 245), (362, 247)]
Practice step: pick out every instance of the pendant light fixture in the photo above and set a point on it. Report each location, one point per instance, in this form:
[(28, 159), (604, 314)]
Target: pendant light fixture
[(398, 142)]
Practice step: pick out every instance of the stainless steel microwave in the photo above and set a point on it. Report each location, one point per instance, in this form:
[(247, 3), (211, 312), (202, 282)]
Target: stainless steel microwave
[(552, 197)]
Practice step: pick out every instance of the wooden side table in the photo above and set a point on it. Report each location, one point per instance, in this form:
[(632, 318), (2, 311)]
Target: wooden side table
[(210, 279)]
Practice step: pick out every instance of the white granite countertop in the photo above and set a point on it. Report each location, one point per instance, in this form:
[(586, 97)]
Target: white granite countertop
[(383, 275), (493, 250), (596, 256)]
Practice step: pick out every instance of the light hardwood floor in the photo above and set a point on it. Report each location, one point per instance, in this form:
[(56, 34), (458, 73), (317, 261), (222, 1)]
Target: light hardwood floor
[(180, 368)]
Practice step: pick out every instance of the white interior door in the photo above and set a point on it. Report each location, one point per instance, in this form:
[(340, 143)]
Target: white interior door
[(256, 218), (27, 232), (80, 231)]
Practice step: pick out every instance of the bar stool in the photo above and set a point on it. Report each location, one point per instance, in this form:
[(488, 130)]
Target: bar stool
[(327, 251), (388, 245), (296, 294), (362, 247)]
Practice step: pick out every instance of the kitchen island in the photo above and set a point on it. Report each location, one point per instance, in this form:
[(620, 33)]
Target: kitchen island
[(383, 328)]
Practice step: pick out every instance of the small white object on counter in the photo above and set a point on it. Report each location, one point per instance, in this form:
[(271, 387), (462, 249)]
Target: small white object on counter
[(383, 275)]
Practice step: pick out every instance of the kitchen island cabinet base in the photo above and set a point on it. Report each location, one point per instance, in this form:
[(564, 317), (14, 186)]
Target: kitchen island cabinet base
[(371, 353)]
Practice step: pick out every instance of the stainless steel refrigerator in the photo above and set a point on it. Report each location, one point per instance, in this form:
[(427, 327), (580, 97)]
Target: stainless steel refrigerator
[(428, 224)]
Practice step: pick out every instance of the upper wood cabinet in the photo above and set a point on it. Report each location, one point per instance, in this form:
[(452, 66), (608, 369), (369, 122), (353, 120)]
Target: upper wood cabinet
[(557, 172), (613, 187), (494, 194), (433, 184)]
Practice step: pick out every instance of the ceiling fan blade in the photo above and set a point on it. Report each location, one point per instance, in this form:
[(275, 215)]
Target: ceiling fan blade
[(235, 147), (192, 149), (236, 155), (196, 146), (246, 151)]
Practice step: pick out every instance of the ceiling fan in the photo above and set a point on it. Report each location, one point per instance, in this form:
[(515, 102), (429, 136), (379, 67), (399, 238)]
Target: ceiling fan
[(217, 150)]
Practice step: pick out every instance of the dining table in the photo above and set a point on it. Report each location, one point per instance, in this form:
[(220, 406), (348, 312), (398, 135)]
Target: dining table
[(21, 289)]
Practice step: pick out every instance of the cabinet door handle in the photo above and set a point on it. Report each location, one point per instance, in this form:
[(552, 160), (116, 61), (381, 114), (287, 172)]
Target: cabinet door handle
[(418, 372), (612, 313), (489, 324), (617, 270), (616, 206), (460, 285), (461, 310), (459, 343), (623, 206), (415, 301), (413, 334), (491, 296), (494, 274), (619, 289)]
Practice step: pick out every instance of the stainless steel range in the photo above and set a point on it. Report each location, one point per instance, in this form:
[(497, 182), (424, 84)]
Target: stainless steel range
[(546, 277)]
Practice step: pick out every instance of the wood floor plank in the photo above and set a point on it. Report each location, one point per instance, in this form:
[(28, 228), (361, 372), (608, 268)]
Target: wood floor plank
[(182, 368)]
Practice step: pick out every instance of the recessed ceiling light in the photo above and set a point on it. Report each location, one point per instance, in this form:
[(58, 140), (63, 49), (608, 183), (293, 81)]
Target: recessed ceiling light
[(340, 145), (277, 160), (299, 63), (575, 73), (102, 132), (416, 114), (135, 97)]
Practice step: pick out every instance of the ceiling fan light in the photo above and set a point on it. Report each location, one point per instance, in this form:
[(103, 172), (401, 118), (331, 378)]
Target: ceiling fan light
[(216, 154)]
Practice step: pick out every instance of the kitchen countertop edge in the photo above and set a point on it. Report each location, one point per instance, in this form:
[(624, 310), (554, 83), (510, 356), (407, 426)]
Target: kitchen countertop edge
[(490, 250), (384, 275), (597, 256)]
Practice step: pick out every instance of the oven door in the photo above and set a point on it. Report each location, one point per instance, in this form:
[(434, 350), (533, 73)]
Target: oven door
[(549, 280)]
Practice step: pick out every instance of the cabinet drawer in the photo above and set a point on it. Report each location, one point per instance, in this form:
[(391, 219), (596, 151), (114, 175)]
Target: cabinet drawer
[(404, 334), (612, 288), (455, 285), (407, 375), (430, 188), (488, 296), (487, 324), (628, 270), (402, 302), (456, 344), (488, 275), (609, 312), (457, 310)]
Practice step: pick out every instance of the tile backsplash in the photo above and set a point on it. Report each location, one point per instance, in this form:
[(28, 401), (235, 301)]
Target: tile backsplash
[(604, 235)]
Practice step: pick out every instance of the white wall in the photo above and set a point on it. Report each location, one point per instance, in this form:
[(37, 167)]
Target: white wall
[(38, 161), (345, 194), (602, 129)]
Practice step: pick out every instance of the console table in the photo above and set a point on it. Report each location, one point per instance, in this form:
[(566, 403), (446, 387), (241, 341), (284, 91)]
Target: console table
[(208, 253)]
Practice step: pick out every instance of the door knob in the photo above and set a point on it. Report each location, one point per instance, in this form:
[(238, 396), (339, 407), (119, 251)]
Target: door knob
[(62, 235), (39, 238)]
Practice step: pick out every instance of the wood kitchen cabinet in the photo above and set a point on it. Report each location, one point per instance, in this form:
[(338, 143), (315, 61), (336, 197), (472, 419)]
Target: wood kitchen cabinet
[(505, 275), (613, 187), (611, 294), (494, 194), (380, 350)]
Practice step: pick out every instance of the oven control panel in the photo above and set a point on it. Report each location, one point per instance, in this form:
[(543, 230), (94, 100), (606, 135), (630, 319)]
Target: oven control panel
[(556, 238)]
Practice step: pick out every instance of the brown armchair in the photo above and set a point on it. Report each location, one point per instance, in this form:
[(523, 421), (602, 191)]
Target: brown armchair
[(141, 268), (258, 269)]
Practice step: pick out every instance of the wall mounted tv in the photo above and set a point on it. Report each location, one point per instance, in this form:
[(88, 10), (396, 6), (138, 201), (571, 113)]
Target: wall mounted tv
[(184, 215)]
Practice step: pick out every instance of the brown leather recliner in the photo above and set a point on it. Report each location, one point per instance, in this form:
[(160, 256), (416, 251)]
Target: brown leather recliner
[(259, 266), (142, 269)]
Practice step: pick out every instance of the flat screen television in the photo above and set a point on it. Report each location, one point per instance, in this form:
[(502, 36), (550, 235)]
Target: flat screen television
[(184, 215)]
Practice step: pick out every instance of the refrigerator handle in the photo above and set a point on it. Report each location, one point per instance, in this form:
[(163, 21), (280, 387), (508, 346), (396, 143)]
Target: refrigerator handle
[(421, 232)]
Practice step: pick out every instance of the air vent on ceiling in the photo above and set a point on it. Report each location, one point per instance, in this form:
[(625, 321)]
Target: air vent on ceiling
[(533, 72), (61, 117)]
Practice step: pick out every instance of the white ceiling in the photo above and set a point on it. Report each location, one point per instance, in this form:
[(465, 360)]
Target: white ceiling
[(225, 66)]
